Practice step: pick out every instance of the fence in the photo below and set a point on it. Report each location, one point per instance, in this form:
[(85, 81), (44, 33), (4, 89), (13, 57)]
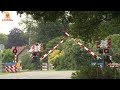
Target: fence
[(47, 66)]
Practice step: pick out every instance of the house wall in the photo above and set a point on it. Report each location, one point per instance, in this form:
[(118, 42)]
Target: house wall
[(21, 54)]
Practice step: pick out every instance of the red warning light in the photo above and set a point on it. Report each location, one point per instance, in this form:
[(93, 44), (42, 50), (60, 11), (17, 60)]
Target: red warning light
[(106, 50), (37, 53), (14, 50)]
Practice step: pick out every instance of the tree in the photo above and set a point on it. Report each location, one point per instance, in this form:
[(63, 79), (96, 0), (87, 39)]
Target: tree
[(84, 25), (54, 42), (42, 31), (15, 38), (47, 31), (3, 38), (7, 56), (29, 26)]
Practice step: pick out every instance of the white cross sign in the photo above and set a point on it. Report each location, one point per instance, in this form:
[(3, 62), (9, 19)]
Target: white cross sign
[(104, 43)]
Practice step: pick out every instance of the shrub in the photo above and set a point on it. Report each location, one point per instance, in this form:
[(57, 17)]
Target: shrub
[(116, 57), (7, 56), (73, 59), (27, 62), (59, 63), (53, 56), (93, 72)]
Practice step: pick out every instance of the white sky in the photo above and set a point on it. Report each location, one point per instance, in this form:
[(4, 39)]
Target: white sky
[(6, 26)]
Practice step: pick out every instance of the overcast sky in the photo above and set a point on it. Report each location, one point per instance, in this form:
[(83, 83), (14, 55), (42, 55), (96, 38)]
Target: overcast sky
[(6, 26)]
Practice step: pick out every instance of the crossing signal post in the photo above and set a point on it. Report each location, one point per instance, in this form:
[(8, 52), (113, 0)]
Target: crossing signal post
[(35, 56), (105, 50), (36, 49), (35, 59), (15, 57)]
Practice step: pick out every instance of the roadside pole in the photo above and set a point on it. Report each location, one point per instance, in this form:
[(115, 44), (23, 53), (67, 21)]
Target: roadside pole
[(2, 47), (0, 61)]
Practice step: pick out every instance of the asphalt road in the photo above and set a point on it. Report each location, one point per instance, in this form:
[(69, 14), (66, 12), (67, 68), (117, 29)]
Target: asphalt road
[(38, 75)]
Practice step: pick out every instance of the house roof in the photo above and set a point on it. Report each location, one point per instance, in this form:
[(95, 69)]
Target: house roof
[(19, 49)]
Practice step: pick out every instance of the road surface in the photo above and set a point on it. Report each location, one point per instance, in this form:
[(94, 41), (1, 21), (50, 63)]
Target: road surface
[(38, 75)]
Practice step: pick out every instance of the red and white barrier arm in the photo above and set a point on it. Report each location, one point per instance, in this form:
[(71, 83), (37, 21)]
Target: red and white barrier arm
[(50, 51), (89, 50)]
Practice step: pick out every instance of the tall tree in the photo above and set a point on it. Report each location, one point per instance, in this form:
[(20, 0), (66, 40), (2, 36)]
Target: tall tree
[(16, 38), (29, 26), (43, 31)]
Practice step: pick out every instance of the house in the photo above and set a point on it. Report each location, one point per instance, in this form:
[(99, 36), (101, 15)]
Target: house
[(21, 50)]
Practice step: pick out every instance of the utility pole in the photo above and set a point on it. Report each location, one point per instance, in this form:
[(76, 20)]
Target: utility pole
[(29, 37)]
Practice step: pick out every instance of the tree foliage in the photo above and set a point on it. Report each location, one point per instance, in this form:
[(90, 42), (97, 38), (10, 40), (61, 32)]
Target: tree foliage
[(94, 72), (42, 31), (26, 62), (54, 42), (74, 56), (3, 38), (54, 55), (7, 56), (16, 38), (85, 24), (48, 31), (29, 26)]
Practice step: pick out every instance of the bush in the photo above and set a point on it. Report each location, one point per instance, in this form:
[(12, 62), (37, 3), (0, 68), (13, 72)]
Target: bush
[(53, 56), (27, 62), (59, 63), (116, 58), (93, 72), (7, 56), (73, 59)]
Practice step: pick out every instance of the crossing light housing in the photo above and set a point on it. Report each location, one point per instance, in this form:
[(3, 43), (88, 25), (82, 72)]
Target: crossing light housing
[(15, 50), (106, 50)]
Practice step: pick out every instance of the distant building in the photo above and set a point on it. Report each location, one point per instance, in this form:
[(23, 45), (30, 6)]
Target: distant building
[(21, 50)]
